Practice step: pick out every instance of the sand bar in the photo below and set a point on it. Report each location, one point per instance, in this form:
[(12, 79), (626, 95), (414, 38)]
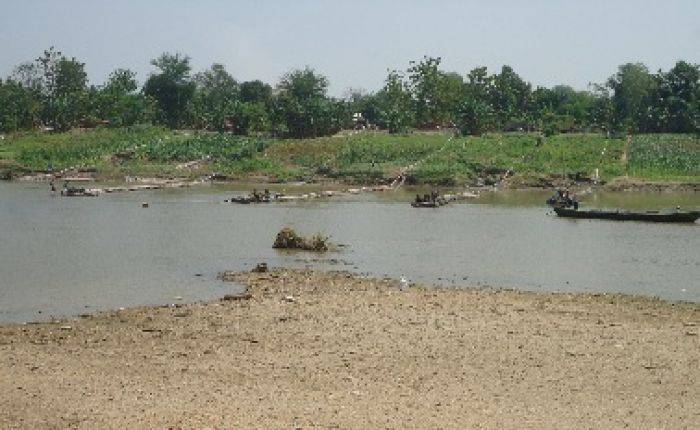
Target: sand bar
[(308, 349)]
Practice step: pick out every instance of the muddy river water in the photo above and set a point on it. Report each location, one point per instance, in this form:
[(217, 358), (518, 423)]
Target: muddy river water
[(66, 256)]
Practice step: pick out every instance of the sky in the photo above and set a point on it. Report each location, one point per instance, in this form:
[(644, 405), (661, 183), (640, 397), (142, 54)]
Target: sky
[(354, 43)]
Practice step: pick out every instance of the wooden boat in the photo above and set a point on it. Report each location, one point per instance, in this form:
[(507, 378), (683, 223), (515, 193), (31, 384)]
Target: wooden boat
[(240, 199), (79, 192), (652, 216), (429, 204), (250, 199)]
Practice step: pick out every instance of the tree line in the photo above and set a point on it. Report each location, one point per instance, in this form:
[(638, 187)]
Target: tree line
[(53, 91)]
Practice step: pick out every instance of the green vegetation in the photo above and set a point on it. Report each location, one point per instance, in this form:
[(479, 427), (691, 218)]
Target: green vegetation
[(139, 150), (665, 156), (367, 157), (53, 92)]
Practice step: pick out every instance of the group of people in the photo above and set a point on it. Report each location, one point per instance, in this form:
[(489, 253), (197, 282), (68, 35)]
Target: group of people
[(52, 186), (563, 198), (427, 198), (260, 197)]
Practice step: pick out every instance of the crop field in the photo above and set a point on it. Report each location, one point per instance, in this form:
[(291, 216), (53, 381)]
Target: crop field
[(368, 157), (662, 155)]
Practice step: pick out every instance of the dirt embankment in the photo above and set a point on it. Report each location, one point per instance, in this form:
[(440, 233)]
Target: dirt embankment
[(307, 349), (498, 178), (628, 184)]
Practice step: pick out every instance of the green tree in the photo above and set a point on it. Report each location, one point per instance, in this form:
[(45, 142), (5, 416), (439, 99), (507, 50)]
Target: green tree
[(631, 86), (303, 107), (70, 94), (601, 112), (171, 88), (675, 100), (122, 81), (251, 118), (510, 98), (394, 102), (21, 98), (254, 112), (474, 117), (435, 94), (475, 114), (28, 75), (561, 108), (216, 99), (256, 91), (359, 101), (17, 107), (451, 93), (64, 89), (118, 102)]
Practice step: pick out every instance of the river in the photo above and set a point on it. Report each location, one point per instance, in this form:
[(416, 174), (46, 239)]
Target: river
[(67, 256)]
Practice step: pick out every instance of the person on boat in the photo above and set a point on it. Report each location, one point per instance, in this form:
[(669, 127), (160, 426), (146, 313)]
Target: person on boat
[(418, 198), (572, 201)]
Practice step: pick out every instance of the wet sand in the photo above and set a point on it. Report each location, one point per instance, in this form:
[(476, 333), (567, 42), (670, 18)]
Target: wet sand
[(331, 350)]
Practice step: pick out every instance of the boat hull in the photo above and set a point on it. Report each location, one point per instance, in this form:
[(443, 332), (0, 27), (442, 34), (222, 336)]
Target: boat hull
[(79, 192), (425, 205), (683, 217)]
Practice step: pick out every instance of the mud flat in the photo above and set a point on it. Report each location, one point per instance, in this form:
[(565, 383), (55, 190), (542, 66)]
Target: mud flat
[(305, 349)]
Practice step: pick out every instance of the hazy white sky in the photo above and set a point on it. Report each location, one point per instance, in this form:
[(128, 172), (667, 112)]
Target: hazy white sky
[(355, 42)]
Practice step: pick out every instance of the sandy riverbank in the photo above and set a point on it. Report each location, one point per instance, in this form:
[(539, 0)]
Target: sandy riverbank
[(331, 350)]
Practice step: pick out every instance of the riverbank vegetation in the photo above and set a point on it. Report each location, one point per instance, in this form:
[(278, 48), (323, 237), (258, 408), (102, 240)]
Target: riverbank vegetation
[(440, 158), (433, 126)]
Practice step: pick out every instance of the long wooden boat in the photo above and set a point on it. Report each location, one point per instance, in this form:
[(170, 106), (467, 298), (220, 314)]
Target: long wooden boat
[(430, 204), (652, 216), (248, 200), (79, 192)]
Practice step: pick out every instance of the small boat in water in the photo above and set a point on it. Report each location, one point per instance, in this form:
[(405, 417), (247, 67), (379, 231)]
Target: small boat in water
[(432, 200), (253, 197), (563, 199), (428, 204), (240, 199), (79, 192), (652, 216)]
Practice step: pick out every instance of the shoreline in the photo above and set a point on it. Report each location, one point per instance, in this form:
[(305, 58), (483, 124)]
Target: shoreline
[(618, 184), (309, 348)]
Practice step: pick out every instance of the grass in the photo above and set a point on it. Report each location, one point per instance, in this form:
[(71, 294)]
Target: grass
[(436, 158), (665, 155), (525, 154), (141, 150)]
